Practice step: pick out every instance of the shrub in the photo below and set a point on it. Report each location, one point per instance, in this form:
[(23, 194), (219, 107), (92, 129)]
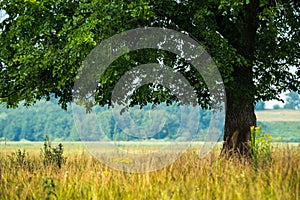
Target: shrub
[(260, 145), (20, 159), (49, 188), (53, 155)]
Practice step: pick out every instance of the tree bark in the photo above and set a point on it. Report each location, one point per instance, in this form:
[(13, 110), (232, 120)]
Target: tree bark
[(240, 93), (240, 117)]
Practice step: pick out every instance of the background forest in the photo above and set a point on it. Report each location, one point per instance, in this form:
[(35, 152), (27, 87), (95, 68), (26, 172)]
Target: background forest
[(47, 118)]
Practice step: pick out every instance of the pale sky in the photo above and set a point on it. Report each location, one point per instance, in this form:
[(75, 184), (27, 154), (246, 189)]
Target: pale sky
[(2, 15), (270, 104)]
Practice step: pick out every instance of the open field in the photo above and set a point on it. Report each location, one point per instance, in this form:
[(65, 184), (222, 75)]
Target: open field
[(278, 115), (284, 124), (24, 176)]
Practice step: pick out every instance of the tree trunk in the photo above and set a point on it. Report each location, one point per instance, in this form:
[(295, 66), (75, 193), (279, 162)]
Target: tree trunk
[(240, 93), (240, 117)]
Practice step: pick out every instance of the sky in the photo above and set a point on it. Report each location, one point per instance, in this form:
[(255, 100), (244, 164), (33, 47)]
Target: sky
[(2, 15), (270, 104)]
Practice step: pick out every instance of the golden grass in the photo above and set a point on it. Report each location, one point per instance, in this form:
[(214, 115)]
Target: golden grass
[(190, 177)]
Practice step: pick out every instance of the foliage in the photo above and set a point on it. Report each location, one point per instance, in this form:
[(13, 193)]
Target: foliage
[(18, 157), (49, 188), (42, 119), (66, 31), (34, 123), (276, 107), (22, 160), (292, 101), (260, 105), (253, 43), (52, 155), (189, 177), (260, 144)]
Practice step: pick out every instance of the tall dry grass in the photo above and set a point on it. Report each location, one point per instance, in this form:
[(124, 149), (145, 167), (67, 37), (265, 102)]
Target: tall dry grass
[(190, 177)]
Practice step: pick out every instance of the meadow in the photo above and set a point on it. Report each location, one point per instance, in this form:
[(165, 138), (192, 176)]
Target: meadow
[(24, 175), (281, 123)]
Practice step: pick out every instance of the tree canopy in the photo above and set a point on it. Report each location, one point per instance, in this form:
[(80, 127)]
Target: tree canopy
[(254, 43), (292, 101), (44, 42)]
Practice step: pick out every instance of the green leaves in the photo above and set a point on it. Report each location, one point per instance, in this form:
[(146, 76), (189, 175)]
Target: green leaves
[(43, 42), (233, 6)]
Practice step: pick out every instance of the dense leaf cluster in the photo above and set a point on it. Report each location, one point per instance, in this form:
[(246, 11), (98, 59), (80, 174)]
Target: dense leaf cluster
[(43, 43)]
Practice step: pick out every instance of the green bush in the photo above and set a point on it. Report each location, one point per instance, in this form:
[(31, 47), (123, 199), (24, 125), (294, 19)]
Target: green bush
[(52, 155), (260, 145), (20, 159), (49, 188)]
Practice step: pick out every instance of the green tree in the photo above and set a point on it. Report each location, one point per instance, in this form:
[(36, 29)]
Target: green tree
[(276, 107), (253, 43), (260, 105), (37, 121), (292, 101)]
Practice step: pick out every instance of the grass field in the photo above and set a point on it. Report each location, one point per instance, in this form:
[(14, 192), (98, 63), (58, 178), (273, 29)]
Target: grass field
[(24, 176), (278, 115), (284, 124)]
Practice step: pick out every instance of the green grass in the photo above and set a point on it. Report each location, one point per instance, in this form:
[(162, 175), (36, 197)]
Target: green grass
[(190, 177), (288, 131), (281, 123)]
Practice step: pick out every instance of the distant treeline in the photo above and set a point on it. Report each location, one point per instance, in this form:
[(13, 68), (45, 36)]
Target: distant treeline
[(34, 123), (46, 118)]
